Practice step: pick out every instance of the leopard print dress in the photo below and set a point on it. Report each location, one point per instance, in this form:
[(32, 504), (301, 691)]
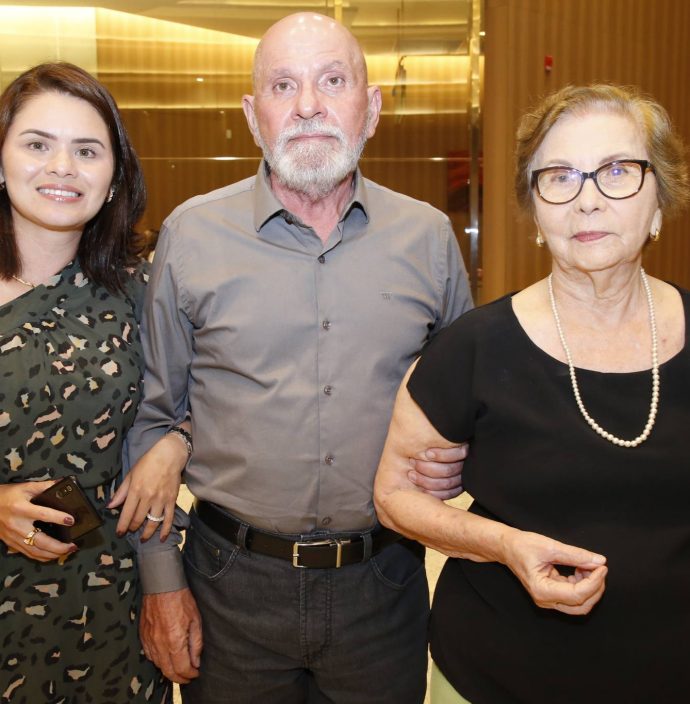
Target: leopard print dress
[(70, 381)]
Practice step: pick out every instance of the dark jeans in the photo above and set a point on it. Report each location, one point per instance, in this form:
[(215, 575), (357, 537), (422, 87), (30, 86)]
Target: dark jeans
[(276, 634)]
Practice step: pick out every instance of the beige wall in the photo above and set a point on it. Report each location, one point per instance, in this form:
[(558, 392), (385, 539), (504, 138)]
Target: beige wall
[(623, 41), (29, 36)]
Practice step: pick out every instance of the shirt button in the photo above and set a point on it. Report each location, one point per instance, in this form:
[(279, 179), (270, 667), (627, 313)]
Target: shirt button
[(322, 259), (328, 389), (326, 521), (329, 459), (326, 324)]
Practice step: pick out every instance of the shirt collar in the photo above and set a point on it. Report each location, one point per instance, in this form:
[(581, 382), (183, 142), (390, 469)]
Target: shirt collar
[(267, 206)]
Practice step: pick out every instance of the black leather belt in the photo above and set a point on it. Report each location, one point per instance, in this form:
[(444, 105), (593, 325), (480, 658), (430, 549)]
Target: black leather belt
[(302, 551)]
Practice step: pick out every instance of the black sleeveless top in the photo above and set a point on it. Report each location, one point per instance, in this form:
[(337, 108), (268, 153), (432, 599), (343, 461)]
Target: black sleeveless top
[(535, 464)]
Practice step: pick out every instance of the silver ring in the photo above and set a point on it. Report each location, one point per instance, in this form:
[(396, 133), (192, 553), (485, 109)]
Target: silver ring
[(155, 519)]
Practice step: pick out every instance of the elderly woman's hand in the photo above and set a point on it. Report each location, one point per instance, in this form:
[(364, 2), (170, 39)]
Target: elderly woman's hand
[(534, 559)]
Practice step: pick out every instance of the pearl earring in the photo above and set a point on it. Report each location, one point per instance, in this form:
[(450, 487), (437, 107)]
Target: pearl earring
[(540, 239)]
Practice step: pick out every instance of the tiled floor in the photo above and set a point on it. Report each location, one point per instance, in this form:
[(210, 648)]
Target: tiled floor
[(434, 560)]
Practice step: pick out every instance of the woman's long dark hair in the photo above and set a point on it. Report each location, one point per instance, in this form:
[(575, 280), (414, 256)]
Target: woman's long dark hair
[(108, 243)]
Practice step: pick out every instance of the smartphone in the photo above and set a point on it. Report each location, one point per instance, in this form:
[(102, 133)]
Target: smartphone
[(66, 495)]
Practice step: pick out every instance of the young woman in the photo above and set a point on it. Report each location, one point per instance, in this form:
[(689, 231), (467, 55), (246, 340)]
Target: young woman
[(71, 191)]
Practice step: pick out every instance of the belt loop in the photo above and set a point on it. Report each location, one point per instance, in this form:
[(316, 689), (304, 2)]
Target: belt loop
[(241, 539), (366, 549)]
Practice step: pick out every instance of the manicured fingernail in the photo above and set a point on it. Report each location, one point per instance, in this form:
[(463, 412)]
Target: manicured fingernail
[(68, 521), (74, 548)]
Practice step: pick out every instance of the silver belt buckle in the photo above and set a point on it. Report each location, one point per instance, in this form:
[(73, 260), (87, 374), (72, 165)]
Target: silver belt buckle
[(338, 542)]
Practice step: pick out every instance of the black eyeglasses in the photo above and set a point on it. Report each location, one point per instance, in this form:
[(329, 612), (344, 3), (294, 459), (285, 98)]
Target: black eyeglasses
[(616, 180)]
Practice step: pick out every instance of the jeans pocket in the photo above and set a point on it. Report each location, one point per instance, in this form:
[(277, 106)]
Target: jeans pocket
[(206, 557), (399, 564)]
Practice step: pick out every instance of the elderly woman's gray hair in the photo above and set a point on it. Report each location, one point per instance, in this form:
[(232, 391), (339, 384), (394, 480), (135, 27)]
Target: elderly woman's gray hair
[(665, 148)]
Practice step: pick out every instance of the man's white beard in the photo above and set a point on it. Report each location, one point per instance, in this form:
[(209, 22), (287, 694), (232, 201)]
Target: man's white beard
[(313, 167)]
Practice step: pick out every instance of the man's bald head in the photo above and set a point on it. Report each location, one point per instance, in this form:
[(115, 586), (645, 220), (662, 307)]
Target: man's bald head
[(308, 29)]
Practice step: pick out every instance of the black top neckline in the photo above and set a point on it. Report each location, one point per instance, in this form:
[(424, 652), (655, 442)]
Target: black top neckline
[(508, 300)]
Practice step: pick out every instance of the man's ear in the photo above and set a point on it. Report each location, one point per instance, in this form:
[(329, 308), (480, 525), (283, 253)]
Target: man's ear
[(374, 101), (250, 115)]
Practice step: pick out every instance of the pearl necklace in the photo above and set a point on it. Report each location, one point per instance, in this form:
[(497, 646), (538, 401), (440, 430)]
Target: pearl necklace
[(21, 281), (654, 404)]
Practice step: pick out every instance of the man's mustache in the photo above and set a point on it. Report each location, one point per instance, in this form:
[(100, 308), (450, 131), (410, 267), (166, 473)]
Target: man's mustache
[(316, 129)]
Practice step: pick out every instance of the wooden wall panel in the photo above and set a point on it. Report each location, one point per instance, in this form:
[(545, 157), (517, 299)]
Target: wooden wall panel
[(620, 41)]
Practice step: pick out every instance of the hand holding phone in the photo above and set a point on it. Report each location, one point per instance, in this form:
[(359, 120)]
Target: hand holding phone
[(66, 495)]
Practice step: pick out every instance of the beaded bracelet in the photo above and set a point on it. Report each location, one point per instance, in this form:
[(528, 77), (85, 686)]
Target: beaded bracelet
[(184, 436)]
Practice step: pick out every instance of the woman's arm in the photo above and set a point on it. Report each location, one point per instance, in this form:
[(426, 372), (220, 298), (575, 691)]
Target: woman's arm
[(152, 485), (531, 557), (402, 506)]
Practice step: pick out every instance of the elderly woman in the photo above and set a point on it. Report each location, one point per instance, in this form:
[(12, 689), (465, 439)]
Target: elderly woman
[(574, 393), (71, 191)]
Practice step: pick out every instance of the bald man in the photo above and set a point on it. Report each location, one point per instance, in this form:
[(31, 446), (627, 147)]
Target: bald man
[(284, 311)]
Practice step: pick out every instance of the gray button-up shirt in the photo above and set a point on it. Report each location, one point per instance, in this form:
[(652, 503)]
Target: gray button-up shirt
[(288, 351)]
